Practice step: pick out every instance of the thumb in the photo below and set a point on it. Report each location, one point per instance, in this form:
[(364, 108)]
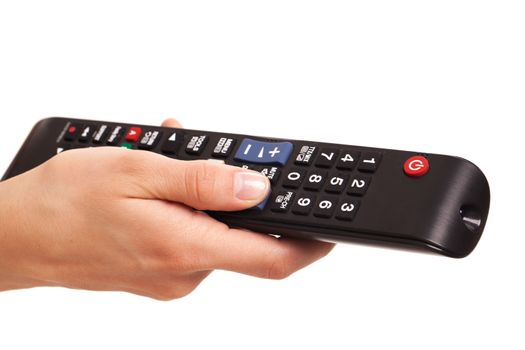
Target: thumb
[(202, 184)]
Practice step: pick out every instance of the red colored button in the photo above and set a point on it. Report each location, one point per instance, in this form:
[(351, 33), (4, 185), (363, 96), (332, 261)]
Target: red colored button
[(133, 134), (416, 166)]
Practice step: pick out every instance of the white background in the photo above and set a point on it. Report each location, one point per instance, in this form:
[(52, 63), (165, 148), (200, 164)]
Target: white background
[(435, 76)]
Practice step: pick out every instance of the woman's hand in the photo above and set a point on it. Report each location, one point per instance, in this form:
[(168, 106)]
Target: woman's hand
[(113, 219)]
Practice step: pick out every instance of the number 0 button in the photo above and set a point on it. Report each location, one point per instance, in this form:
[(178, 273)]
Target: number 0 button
[(294, 178)]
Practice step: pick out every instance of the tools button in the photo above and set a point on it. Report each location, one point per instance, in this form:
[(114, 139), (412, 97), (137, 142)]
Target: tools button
[(196, 144)]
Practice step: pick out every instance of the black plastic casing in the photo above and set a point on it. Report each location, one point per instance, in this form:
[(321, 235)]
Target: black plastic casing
[(444, 211)]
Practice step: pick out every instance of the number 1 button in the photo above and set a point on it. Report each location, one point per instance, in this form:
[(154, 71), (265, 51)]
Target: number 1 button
[(369, 162)]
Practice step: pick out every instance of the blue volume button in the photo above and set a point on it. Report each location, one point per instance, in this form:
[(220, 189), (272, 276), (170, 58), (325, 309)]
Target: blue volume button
[(253, 151)]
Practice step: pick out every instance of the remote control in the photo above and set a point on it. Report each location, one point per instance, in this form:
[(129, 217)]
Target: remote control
[(322, 191)]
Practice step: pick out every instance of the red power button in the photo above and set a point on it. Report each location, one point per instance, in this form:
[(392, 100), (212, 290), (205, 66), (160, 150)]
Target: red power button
[(416, 166)]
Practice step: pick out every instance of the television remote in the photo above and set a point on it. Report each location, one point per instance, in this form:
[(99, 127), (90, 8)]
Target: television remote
[(322, 191)]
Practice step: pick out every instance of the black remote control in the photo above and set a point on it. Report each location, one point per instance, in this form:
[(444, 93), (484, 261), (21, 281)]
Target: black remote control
[(319, 191)]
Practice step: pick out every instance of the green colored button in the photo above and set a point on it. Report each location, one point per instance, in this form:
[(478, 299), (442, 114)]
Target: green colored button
[(127, 145)]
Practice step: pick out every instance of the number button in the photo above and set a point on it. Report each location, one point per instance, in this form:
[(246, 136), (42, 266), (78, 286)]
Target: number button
[(327, 157), (304, 204), (369, 162), (358, 185), (347, 160), (337, 184), (325, 207), (294, 178), (347, 209), (315, 180)]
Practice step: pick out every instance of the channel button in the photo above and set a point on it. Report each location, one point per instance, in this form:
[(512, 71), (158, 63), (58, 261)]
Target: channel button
[(276, 153)]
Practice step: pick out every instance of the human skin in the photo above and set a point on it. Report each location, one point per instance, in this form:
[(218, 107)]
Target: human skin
[(112, 219)]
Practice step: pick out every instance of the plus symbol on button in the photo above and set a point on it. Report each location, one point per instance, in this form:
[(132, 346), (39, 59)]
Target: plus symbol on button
[(274, 152)]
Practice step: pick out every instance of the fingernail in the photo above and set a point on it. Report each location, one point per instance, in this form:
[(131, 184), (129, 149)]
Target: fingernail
[(250, 185)]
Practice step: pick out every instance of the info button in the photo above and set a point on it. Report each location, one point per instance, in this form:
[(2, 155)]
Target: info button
[(416, 166)]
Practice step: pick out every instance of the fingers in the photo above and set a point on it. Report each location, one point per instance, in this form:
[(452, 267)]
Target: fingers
[(171, 123), (200, 184), (257, 254), (272, 257)]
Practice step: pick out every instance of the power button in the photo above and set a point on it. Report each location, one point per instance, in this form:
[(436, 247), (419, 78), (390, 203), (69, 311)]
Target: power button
[(416, 166)]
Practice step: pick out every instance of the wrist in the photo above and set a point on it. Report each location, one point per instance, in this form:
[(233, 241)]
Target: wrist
[(12, 274)]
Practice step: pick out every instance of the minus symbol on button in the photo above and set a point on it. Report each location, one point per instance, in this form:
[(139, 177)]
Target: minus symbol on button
[(247, 149)]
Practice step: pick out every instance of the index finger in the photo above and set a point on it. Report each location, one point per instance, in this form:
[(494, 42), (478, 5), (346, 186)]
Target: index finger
[(257, 254)]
